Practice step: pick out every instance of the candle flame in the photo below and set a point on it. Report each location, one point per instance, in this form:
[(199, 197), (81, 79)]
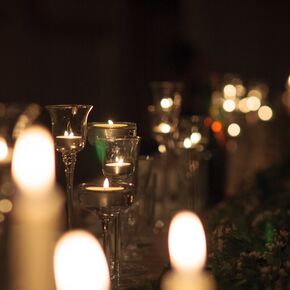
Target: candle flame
[(119, 160), (66, 134), (80, 263), (110, 122), (33, 165), (187, 243), (106, 183)]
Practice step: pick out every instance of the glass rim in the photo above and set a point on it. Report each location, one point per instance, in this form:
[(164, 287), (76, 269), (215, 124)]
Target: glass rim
[(120, 138), (92, 124), (67, 106)]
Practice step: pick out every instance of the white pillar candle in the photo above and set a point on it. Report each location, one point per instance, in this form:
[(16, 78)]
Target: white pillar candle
[(80, 263), (187, 250), (36, 211)]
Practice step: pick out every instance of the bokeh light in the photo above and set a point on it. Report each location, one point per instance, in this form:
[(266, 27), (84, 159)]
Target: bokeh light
[(234, 130), (230, 92), (265, 113), (229, 105), (253, 103), (166, 103), (195, 137), (162, 148), (216, 126), (3, 148), (187, 143), (243, 107)]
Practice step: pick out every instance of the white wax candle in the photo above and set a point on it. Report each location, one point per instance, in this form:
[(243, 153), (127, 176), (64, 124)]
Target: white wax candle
[(187, 249), (36, 211)]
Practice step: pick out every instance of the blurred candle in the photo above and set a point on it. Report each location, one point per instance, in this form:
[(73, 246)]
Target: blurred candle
[(36, 211), (80, 263), (187, 250)]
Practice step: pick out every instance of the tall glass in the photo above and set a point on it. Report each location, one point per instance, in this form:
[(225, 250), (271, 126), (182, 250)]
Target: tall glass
[(69, 129)]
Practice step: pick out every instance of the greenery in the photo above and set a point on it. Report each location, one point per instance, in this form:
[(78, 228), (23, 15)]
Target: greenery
[(248, 236)]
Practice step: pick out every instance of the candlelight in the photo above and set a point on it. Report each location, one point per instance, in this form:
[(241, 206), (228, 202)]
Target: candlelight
[(187, 243), (230, 92), (110, 122), (165, 128), (187, 143), (162, 148), (80, 263), (3, 149), (243, 106), (253, 103), (66, 134), (265, 113), (33, 162), (195, 137), (229, 105), (106, 183), (234, 130), (166, 103)]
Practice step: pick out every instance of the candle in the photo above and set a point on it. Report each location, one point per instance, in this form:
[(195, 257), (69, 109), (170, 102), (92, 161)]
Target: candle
[(106, 196), (36, 211), (99, 130), (80, 263), (118, 168), (68, 142), (187, 250)]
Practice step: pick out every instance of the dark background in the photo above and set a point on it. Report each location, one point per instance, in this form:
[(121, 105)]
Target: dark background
[(105, 53)]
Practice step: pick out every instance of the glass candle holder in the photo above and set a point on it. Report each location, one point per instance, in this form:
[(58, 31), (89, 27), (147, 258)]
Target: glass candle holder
[(102, 130), (69, 129), (120, 157)]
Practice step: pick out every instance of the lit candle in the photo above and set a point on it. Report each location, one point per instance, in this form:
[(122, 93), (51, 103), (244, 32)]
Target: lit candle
[(106, 196), (36, 211), (118, 168), (80, 263), (162, 128), (68, 141), (187, 250), (99, 130)]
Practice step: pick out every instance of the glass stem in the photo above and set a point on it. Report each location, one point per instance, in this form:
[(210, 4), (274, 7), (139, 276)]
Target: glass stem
[(106, 237), (69, 160)]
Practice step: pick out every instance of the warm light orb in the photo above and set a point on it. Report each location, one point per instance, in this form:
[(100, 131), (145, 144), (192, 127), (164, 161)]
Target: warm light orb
[(255, 93), (80, 263), (162, 148), (243, 107), (195, 137), (234, 130), (253, 103), (110, 122), (187, 143), (216, 126), (230, 92), (165, 128), (229, 105), (187, 243), (241, 90), (106, 183), (166, 103), (265, 113), (33, 163), (3, 149)]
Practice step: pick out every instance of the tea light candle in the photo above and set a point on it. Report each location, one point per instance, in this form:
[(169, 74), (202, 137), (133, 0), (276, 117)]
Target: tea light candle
[(187, 250), (105, 196), (80, 263), (118, 168), (68, 141), (99, 130), (36, 210)]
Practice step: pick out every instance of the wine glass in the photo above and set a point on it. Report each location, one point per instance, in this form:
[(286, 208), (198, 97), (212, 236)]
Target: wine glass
[(69, 128)]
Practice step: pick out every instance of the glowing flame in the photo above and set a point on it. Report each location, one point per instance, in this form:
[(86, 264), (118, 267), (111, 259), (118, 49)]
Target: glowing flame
[(195, 137), (80, 263), (106, 183), (66, 134), (33, 165), (234, 130), (119, 160), (187, 243), (110, 122), (166, 103), (3, 148)]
